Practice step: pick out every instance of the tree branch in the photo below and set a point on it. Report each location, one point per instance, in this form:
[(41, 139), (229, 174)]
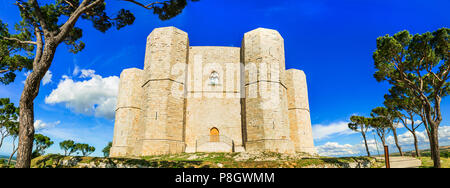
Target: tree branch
[(74, 17), (20, 41), (70, 3), (40, 18), (40, 45), (148, 6)]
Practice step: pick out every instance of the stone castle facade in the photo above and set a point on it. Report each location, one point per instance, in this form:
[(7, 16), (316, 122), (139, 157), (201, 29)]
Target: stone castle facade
[(212, 99)]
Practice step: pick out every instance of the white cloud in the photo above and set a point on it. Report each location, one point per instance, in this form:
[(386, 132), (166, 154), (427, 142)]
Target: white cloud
[(406, 140), (408, 122), (26, 74), (95, 96), (325, 131), (76, 70), (47, 78), (335, 149), (87, 73), (40, 125)]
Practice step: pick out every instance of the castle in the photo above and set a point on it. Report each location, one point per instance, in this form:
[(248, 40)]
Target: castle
[(212, 99)]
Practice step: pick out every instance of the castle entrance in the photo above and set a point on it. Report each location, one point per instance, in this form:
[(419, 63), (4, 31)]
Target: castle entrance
[(214, 135), (214, 142)]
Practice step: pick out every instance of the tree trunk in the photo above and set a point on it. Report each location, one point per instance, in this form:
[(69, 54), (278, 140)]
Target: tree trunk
[(14, 152), (416, 143), (394, 131), (434, 118), (427, 128), (365, 142), (26, 114), (26, 128), (1, 141), (383, 141), (434, 145)]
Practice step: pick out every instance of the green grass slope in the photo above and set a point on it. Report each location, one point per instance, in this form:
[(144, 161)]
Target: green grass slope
[(206, 160)]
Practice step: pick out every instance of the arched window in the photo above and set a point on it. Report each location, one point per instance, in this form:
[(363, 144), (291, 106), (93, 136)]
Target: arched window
[(214, 135), (214, 78)]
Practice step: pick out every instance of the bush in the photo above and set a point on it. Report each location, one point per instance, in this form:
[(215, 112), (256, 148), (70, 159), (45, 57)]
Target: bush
[(445, 154)]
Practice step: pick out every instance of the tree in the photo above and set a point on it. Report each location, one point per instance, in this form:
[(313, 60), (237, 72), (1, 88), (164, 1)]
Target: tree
[(419, 63), (408, 106), (41, 143), (85, 149), (42, 29), (107, 149), (14, 133), (391, 116), (68, 146), (8, 118), (381, 127), (360, 124), (10, 60)]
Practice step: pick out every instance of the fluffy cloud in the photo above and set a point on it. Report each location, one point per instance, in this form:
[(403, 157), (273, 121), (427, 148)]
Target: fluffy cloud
[(325, 131), (47, 78), (40, 125), (334, 149), (87, 73), (406, 140), (408, 122), (93, 96), (76, 70)]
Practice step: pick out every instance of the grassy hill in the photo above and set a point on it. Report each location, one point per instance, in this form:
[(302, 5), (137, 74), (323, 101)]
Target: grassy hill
[(207, 160)]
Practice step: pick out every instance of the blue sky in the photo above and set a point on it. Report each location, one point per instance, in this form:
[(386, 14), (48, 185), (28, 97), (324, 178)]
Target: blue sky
[(332, 41)]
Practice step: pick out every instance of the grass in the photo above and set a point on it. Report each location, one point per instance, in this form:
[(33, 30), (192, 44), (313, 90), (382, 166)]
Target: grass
[(205, 160), (427, 162)]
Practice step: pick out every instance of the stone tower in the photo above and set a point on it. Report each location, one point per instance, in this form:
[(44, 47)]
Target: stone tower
[(267, 123), (128, 112), (163, 112), (298, 107), (212, 99)]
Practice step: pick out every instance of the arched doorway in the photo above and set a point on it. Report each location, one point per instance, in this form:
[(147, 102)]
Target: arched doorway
[(214, 135)]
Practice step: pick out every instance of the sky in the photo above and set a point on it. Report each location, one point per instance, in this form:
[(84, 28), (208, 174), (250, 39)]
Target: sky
[(331, 41)]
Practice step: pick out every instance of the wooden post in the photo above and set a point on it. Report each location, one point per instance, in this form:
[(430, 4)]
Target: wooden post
[(386, 157)]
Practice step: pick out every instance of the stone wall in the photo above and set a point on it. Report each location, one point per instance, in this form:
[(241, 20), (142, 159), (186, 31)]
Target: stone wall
[(213, 106)]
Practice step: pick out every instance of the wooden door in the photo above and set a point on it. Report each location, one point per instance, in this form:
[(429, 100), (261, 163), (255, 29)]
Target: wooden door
[(214, 135)]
